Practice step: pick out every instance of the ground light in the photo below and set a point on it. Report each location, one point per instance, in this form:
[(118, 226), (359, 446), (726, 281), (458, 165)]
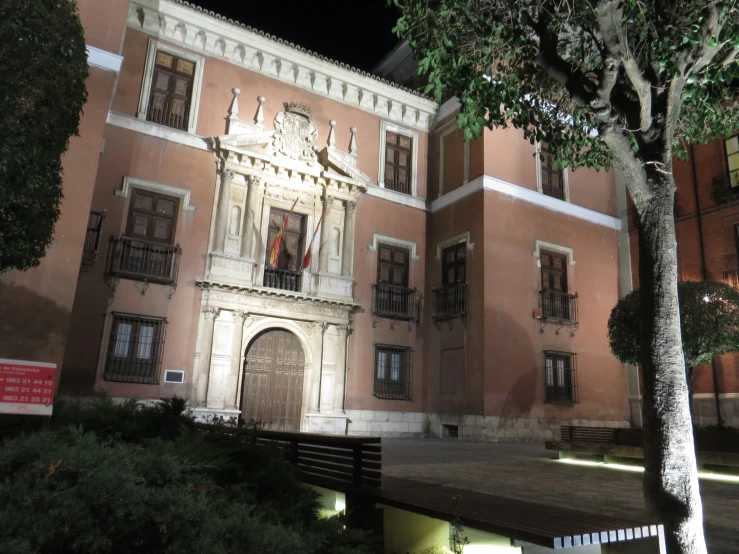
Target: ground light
[(708, 476)]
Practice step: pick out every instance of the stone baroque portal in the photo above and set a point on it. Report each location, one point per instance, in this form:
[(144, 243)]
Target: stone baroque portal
[(261, 175)]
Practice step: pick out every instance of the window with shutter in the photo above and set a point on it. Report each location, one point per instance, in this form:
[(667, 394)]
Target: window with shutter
[(552, 178), (553, 271), (171, 91), (453, 264), (392, 265), (152, 216), (398, 162)]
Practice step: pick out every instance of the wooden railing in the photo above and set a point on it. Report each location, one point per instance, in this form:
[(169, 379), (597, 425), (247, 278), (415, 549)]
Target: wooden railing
[(323, 460)]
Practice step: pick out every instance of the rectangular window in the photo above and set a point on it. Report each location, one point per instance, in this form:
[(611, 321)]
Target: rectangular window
[(392, 265), (398, 162), (552, 178), (393, 372), (286, 273), (556, 303), (135, 348), (732, 160), (152, 216), (171, 91), (453, 264), (560, 377)]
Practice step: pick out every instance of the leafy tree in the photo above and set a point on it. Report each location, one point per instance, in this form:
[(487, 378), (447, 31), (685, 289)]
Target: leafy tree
[(623, 82), (709, 318), (43, 64)]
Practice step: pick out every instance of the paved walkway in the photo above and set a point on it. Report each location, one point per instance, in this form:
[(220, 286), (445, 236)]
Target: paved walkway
[(529, 472)]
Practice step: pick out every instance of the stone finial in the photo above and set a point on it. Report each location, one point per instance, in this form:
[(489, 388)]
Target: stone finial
[(353, 142), (332, 134), (234, 111), (259, 118)]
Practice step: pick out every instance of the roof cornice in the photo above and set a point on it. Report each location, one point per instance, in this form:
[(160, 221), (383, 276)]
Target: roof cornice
[(202, 31)]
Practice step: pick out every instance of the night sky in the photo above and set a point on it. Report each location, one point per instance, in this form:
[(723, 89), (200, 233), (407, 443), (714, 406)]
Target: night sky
[(356, 32)]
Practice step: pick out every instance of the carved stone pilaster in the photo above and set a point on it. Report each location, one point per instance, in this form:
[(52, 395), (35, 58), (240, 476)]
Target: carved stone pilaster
[(237, 353), (253, 203), (347, 258), (226, 176), (200, 387), (328, 202)]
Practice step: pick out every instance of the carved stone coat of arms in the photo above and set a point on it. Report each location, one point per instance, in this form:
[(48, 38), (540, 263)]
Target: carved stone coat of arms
[(295, 133)]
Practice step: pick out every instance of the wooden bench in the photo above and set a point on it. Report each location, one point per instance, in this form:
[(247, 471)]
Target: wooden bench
[(525, 523), (327, 461), (628, 443)]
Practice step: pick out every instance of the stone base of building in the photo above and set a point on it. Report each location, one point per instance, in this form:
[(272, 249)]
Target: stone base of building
[(704, 409), (465, 427), (325, 423), (206, 414)]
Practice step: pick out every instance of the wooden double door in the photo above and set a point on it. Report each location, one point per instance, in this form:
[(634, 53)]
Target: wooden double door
[(272, 391)]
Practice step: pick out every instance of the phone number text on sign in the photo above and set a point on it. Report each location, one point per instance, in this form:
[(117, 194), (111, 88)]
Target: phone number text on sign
[(27, 387)]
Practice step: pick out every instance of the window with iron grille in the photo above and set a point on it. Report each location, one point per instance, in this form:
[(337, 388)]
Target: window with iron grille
[(171, 91), (135, 348), (560, 377), (393, 372), (552, 178), (398, 162)]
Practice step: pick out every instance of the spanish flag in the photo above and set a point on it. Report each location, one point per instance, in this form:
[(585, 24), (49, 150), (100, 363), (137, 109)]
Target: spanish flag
[(308, 254), (274, 252)]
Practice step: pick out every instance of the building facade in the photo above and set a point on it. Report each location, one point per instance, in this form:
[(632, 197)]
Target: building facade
[(279, 237)]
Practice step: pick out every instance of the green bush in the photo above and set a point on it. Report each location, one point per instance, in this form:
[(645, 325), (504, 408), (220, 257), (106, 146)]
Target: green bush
[(121, 478)]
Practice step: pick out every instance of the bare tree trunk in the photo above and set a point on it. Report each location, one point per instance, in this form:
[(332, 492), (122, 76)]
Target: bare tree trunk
[(671, 473)]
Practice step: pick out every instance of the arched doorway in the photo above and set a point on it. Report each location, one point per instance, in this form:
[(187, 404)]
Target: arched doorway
[(273, 380)]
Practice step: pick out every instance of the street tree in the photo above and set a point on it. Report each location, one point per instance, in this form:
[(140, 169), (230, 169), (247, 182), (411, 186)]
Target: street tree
[(709, 319), (601, 82), (43, 64)]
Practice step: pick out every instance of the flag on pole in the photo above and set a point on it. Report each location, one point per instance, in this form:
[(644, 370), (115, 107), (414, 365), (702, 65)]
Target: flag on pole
[(274, 251), (308, 254)]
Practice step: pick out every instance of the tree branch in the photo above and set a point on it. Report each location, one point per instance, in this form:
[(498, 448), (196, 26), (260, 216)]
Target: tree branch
[(610, 17)]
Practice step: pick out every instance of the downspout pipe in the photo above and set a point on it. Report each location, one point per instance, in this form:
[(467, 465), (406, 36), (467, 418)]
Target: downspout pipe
[(704, 275)]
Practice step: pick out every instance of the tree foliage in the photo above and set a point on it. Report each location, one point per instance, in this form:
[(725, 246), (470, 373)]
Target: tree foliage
[(43, 64), (565, 70), (107, 478), (709, 316)]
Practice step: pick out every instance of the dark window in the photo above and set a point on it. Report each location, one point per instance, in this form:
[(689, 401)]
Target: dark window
[(286, 273), (135, 348), (392, 265), (171, 91), (393, 372), (398, 162), (152, 217), (553, 271), (453, 264), (732, 160), (560, 377), (552, 178)]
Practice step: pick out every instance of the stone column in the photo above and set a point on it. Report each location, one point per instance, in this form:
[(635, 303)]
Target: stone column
[(253, 204), (325, 235), (206, 346), (340, 390), (219, 242), (232, 392), (314, 403), (347, 257)]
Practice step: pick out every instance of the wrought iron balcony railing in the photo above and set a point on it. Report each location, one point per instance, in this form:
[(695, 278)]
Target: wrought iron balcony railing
[(92, 240), (449, 302), (559, 306), (282, 279), (131, 258), (396, 303)]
